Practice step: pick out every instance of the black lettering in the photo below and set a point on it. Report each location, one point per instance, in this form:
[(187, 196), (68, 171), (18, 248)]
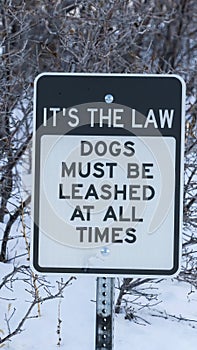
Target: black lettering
[(122, 192), (133, 191), (81, 229), (75, 191), (84, 172), (115, 235), (132, 237), (61, 195), (91, 192), (77, 213), (121, 214), (86, 148), (134, 218), (128, 145), (88, 208), (110, 214), (101, 236), (145, 169), (100, 148), (68, 170), (111, 168), (151, 190), (106, 190), (114, 151), (132, 171), (90, 234), (98, 167)]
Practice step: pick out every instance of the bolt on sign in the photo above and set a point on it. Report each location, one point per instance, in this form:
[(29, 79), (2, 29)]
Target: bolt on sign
[(108, 163)]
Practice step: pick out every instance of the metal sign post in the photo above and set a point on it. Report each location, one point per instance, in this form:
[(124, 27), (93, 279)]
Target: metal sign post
[(104, 313)]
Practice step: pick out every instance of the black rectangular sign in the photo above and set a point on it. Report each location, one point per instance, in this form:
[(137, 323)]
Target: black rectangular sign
[(108, 164)]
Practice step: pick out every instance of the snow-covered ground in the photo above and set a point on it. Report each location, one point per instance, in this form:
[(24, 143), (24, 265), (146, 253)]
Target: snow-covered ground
[(77, 312)]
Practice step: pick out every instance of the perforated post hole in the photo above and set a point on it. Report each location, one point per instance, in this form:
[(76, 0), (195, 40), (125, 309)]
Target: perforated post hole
[(104, 313)]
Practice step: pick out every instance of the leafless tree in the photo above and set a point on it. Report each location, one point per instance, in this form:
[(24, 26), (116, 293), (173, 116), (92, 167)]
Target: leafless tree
[(33, 287), (122, 36)]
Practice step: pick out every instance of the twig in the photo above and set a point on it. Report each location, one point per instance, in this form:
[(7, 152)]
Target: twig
[(165, 315), (18, 329), (10, 222)]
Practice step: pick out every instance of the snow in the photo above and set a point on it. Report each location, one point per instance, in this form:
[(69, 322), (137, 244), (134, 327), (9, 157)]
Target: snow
[(77, 312)]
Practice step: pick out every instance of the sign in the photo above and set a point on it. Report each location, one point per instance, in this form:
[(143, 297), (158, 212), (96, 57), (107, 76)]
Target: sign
[(108, 153)]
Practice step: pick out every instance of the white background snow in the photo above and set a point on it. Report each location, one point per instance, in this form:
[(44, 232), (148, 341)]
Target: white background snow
[(77, 310)]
